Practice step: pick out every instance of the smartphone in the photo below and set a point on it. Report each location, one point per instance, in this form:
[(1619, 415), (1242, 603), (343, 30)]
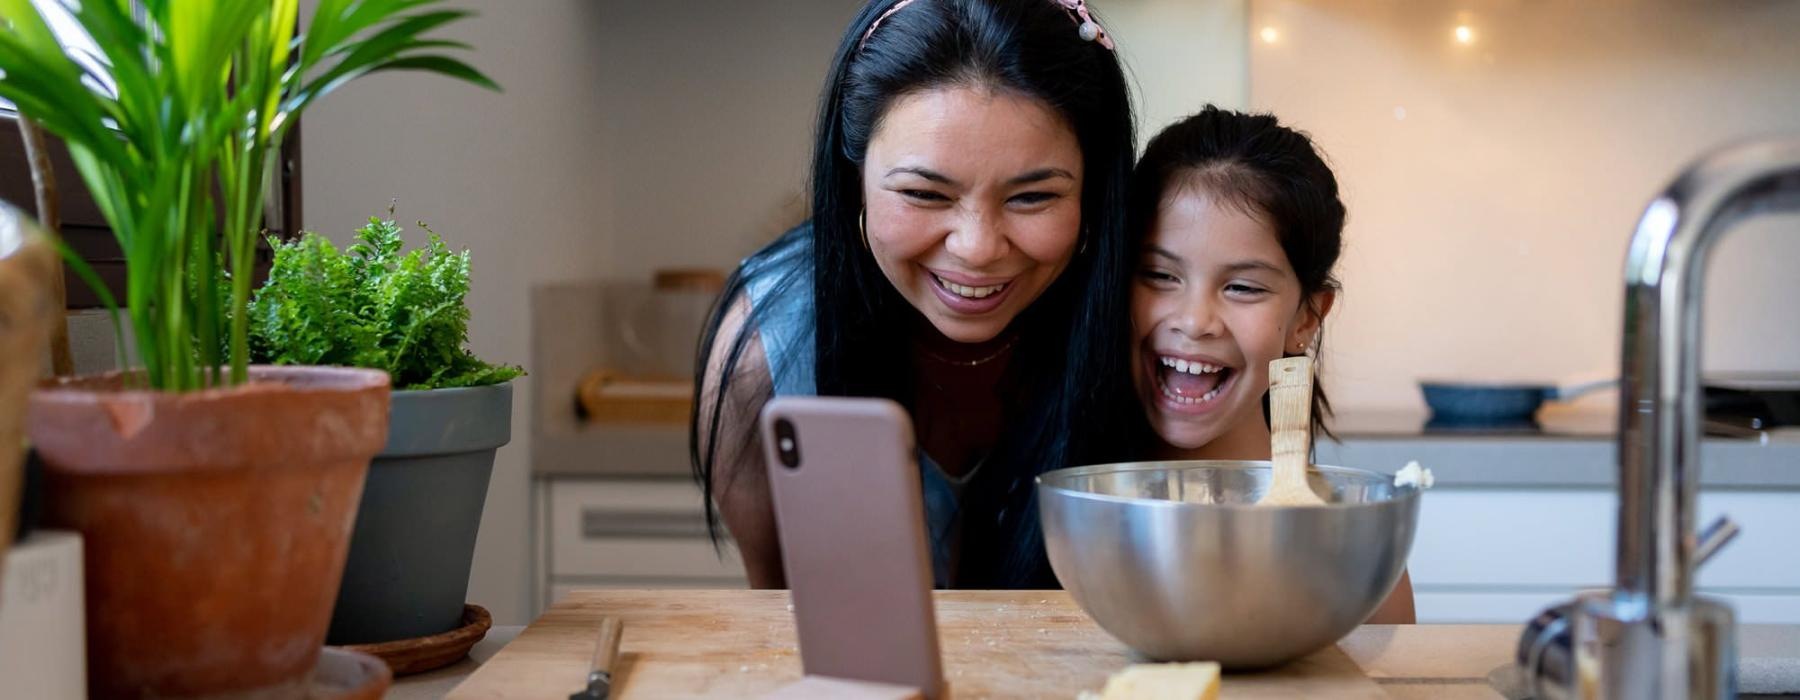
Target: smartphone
[(851, 518)]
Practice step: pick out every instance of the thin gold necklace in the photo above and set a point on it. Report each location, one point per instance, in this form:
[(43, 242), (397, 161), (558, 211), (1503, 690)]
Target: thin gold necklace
[(971, 363)]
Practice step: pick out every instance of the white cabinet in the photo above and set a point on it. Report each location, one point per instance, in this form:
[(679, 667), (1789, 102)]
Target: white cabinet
[(626, 533), (1501, 555)]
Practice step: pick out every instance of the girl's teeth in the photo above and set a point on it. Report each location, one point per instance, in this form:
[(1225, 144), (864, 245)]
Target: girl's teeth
[(1186, 367), (1190, 400), (970, 292)]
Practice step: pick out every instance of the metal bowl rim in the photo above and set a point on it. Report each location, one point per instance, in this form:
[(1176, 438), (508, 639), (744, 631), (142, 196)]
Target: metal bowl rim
[(1402, 494)]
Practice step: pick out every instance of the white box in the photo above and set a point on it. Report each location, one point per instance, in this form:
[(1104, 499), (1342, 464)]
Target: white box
[(43, 631)]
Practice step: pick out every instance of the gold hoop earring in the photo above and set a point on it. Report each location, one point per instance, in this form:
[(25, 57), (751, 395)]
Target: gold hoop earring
[(862, 227)]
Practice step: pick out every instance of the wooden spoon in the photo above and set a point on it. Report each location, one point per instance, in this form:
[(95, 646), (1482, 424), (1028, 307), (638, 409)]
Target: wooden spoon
[(1290, 428)]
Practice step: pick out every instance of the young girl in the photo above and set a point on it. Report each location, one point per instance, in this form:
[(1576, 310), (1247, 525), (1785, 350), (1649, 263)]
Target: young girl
[(1240, 225), (964, 257)]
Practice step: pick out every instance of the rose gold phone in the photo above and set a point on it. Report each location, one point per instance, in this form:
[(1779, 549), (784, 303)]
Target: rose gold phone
[(850, 514)]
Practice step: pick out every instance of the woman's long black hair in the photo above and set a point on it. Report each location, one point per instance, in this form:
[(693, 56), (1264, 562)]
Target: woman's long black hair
[(1068, 387)]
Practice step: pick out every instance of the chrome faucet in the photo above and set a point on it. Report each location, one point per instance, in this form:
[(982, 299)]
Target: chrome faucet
[(1650, 637)]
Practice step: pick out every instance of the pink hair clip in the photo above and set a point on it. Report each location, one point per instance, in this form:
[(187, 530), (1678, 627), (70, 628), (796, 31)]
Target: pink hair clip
[(1089, 29), (879, 20)]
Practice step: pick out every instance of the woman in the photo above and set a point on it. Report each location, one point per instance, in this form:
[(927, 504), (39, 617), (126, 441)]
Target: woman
[(965, 257)]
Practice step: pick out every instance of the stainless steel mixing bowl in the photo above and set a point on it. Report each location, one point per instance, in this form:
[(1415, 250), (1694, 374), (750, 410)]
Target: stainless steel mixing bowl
[(1175, 560)]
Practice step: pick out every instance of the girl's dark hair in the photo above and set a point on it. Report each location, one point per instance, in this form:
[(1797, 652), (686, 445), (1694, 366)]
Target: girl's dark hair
[(1269, 171), (1068, 378)]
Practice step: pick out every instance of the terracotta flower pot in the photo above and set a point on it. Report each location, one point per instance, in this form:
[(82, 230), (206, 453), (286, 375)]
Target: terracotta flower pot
[(215, 522), (27, 266)]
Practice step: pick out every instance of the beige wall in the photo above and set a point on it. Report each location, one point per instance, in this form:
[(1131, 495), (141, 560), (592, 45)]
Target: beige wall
[(1492, 186), (714, 102), (717, 101), (1180, 55)]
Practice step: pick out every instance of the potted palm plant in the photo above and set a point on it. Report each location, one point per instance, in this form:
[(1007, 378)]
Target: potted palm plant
[(215, 498), (379, 306)]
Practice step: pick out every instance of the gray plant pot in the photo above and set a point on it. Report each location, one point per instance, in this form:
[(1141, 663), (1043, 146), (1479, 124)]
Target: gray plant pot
[(408, 570)]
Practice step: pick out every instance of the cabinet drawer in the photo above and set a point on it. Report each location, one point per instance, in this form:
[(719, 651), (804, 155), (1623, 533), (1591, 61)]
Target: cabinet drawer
[(1564, 539), (1514, 538), (634, 530)]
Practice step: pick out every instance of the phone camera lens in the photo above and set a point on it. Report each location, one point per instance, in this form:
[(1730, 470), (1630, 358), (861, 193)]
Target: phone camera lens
[(787, 443)]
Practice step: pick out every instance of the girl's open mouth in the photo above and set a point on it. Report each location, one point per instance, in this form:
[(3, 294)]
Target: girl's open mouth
[(1191, 385)]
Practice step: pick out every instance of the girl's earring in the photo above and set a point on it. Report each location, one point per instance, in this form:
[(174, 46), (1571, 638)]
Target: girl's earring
[(862, 226)]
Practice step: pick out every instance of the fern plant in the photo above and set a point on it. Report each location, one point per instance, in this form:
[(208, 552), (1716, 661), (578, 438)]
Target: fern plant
[(174, 124), (374, 306)]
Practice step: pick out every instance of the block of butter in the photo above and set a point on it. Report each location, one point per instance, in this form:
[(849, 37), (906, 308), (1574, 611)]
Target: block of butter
[(1188, 681)]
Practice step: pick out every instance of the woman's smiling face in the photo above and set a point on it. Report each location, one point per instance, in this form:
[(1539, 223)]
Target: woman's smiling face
[(973, 203), (1214, 302)]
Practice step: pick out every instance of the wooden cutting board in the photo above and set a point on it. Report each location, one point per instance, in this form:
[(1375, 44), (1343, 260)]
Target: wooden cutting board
[(738, 644)]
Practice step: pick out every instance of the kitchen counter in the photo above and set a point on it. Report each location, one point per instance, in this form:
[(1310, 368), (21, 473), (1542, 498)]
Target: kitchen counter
[(1549, 423), (1572, 449), (730, 650), (616, 450)]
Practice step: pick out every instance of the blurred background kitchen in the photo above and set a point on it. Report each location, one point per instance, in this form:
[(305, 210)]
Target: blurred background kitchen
[(1495, 155)]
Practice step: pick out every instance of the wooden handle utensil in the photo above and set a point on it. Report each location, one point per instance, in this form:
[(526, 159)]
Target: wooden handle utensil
[(1290, 428), (606, 655)]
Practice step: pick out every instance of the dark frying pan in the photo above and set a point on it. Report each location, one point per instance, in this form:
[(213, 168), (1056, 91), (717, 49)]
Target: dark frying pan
[(1476, 403)]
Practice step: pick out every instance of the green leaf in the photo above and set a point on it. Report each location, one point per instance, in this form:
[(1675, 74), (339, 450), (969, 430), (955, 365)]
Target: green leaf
[(397, 36), (23, 20), (374, 305), (173, 132), (444, 65)]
